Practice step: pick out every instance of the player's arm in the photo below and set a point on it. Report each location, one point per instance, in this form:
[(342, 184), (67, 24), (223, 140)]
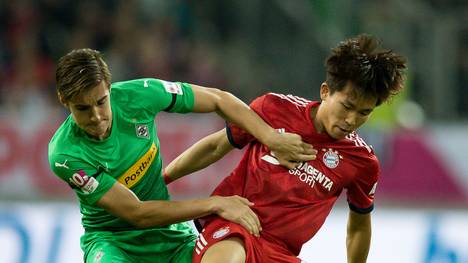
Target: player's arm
[(286, 146), (200, 155), (358, 237), (123, 203)]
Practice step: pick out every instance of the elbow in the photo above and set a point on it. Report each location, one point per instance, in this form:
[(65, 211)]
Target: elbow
[(135, 218), (138, 218), (139, 222), (220, 93), (221, 97), (144, 222)]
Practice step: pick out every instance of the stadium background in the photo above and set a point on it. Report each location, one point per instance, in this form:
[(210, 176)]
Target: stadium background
[(248, 48)]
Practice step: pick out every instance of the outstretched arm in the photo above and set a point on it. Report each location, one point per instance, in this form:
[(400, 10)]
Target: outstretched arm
[(123, 203), (358, 237), (200, 155), (287, 147)]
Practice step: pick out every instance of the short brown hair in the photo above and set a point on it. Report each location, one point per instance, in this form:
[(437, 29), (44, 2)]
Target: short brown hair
[(373, 71), (80, 70)]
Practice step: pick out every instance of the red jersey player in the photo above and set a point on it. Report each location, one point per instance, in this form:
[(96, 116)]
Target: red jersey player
[(292, 204)]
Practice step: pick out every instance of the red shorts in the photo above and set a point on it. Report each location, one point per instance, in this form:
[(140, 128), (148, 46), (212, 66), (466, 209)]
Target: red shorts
[(258, 250)]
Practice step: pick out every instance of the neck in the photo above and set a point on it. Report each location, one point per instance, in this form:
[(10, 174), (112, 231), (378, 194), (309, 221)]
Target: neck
[(316, 117)]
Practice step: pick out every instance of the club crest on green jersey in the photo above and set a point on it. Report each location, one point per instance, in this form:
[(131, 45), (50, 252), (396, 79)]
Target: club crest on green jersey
[(142, 131)]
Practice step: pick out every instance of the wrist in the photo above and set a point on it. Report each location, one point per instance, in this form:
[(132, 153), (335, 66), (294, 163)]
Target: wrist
[(213, 205), (269, 138), (272, 139)]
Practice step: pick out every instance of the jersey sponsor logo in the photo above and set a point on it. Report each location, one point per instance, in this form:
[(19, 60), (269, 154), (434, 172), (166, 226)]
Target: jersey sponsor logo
[(311, 175), (172, 87), (142, 131), (331, 158), (134, 174), (145, 83), (84, 182), (221, 232), (305, 172)]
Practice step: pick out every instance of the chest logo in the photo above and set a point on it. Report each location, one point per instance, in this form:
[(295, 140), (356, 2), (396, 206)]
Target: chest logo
[(142, 131), (138, 170), (331, 158)]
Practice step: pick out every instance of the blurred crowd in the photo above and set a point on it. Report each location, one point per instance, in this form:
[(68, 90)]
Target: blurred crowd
[(213, 43), (137, 38)]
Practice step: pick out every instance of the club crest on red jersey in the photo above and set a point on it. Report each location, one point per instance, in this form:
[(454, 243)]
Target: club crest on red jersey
[(331, 158), (221, 232)]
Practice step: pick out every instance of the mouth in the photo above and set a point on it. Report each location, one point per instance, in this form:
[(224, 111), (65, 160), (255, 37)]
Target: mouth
[(347, 131), (98, 126)]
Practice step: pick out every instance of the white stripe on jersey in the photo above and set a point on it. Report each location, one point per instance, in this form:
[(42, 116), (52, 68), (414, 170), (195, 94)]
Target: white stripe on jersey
[(299, 99), (293, 99), (203, 240), (199, 245), (358, 141)]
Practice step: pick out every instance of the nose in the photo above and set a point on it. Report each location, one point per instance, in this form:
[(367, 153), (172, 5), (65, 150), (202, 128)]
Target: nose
[(95, 115), (351, 119)]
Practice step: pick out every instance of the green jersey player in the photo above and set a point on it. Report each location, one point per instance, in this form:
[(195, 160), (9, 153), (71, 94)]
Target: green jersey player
[(108, 151)]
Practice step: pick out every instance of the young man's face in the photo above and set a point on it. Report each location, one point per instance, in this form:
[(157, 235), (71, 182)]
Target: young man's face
[(343, 112), (92, 112)]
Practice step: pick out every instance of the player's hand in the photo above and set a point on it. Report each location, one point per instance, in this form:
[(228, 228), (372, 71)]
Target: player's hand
[(290, 150), (237, 209)]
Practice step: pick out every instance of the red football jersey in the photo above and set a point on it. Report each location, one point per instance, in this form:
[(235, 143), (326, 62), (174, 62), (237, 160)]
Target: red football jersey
[(292, 204)]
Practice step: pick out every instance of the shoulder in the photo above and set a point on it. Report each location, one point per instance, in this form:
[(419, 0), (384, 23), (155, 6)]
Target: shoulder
[(65, 142), (285, 100), (63, 137), (281, 103), (363, 151), (143, 84), (64, 162)]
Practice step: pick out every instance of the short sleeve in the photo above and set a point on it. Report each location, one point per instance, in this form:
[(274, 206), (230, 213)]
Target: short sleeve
[(182, 98), (168, 96), (360, 192), (239, 137), (89, 183), (147, 97)]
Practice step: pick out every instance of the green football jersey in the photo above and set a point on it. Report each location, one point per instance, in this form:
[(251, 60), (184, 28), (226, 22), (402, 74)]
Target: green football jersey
[(130, 155)]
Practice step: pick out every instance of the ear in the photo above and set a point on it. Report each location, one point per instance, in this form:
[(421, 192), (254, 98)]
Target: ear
[(324, 91), (61, 100)]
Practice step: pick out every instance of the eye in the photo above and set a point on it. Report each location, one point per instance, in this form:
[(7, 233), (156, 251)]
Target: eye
[(102, 101), (81, 108), (346, 106)]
